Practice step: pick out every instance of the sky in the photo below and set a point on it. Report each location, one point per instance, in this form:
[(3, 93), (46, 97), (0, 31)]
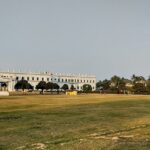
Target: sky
[(100, 37)]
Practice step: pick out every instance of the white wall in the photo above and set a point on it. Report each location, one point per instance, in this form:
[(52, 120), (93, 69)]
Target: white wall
[(85, 79)]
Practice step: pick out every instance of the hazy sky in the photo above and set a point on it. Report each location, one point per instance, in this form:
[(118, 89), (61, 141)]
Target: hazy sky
[(101, 37)]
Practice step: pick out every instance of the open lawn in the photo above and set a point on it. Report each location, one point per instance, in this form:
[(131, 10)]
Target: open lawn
[(84, 122)]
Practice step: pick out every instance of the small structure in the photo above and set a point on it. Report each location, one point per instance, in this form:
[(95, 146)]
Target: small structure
[(71, 92)]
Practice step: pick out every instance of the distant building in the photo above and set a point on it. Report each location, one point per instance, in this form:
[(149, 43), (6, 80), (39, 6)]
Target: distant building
[(11, 78)]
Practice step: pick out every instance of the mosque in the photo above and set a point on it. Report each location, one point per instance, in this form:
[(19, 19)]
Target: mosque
[(8, 79)]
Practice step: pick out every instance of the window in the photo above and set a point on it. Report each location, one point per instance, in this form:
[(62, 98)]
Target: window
[(93, 81), (37, 79), (77, 80), (33, 78), (28, 78), (42, 79), (47, 79), (87, 81), (62, 80), (81, 80), (22, 78), (66, 80), (58, 80)]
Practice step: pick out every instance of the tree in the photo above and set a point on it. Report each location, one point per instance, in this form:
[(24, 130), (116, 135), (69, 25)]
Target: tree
[(139, 85), (118, 85), (50, 86), (99, 85), (114, 84), (148, 85), (122, 85), (72, 87), (137, 79), (41, 85), (56, 87), (106, 84), (139, 88), (103, 85), (65, 87), (87, 88), (23, 84), (30, 87), (115, 81)]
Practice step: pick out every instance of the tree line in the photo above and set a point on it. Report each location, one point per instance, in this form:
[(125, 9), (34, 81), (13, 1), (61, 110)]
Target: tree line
[(49, 86), (120, 85)]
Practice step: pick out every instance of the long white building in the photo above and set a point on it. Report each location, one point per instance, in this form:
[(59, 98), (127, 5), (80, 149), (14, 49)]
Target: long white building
[(11, 78)]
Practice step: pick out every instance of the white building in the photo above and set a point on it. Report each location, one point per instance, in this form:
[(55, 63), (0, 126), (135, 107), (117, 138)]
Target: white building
[(11, 78)]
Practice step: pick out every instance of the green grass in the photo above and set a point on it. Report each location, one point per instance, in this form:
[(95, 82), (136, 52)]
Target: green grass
[(87, 122)]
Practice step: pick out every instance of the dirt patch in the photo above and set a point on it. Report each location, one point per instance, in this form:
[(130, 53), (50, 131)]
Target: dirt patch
[(35, 146), (39, 146)]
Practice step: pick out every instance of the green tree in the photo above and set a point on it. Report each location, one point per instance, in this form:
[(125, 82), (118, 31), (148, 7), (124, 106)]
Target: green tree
[(148, 85), (50, 86), (87, 88), (99, 84), (139, 88), (137, 79), (139, 84), (118, 85), (72, 87), (106, 84), (23, 84), (56, 87), (122, 86), (115, 81), (114, 84), (65, 87), (41, 85), (103, 85)]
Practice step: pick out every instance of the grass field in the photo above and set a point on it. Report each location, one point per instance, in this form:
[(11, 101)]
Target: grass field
[(85, 122)]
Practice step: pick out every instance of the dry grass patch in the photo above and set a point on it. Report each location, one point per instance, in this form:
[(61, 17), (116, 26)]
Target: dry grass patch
[(108, 122)]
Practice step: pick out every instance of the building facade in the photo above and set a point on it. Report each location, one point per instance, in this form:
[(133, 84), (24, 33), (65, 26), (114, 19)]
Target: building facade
[(11, 78)]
